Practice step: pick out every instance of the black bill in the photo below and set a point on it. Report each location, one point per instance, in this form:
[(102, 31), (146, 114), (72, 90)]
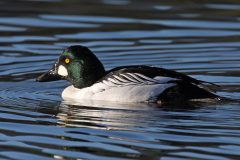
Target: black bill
[(51, 75)]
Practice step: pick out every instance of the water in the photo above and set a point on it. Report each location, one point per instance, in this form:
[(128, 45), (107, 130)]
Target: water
[(199, 38)]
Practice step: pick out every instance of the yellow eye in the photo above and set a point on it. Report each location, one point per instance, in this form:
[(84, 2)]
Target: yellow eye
[(67, 60)]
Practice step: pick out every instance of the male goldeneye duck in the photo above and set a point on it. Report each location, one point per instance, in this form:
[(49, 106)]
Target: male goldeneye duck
[(90, 81)]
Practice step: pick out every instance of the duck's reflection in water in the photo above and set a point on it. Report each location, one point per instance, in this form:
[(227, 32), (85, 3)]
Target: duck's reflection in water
[(99, 114), (109, 115)]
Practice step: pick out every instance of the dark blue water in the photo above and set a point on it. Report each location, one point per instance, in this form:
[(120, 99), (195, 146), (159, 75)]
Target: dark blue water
[(199, 38)]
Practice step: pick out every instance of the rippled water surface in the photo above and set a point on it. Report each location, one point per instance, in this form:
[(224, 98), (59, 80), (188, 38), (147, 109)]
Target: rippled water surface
[(199, 38)]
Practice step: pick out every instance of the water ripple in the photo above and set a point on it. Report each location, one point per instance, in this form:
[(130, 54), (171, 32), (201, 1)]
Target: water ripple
[(167, 33), (43, 23), (197, 38)]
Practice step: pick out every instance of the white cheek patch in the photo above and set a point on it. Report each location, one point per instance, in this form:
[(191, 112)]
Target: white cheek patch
[(62, 71)]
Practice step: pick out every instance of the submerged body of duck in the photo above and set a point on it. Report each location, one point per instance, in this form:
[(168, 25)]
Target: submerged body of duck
[(90, 81)]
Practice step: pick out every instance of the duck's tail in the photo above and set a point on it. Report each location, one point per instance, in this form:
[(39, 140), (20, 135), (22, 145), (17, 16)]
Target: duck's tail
[(185, 91)]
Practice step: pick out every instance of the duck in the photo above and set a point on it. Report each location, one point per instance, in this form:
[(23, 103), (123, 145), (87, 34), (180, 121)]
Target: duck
[(129, 84)]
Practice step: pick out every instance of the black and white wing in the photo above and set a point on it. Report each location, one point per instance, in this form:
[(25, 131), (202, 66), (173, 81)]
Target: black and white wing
[(150, 75), (157, 81), (124, 79), (133, 75)]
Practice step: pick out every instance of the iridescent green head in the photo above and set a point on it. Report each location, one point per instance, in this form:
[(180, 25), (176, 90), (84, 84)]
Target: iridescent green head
[(76, 64)]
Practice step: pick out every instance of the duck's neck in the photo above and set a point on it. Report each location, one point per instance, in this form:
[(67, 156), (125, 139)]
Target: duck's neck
[(88, 75)]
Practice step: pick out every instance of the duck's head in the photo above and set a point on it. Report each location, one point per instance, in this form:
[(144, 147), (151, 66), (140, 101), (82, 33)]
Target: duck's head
[(76, 64)]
